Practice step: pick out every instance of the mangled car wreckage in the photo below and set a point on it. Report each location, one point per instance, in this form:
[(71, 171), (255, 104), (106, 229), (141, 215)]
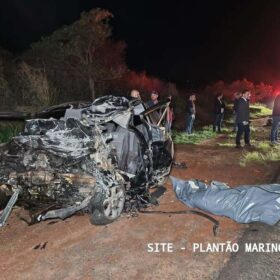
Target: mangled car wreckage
[(101, 156)]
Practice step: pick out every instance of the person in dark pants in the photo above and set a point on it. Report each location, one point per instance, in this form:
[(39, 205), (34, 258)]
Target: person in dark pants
[(242, 118), (237, 96), (219, 109), (190, 108), (275, 120)]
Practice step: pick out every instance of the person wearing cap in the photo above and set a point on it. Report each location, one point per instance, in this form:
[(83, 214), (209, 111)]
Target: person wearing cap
[(243, 118), (190, 108)]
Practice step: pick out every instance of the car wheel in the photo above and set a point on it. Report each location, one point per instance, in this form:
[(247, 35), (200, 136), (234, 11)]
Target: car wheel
[(106, 207)]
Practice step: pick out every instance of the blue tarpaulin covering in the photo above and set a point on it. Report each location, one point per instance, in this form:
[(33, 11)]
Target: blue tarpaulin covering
[(244, 204)]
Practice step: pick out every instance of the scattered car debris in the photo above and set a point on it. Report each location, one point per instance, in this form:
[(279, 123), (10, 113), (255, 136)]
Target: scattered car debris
[(40, 246), (14, 116), (44, 245), (158, 192), (8, 209), (178, 164), (102, 157), (244, 204), (37, 247)]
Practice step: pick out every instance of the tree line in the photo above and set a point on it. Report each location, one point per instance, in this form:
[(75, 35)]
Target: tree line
[(82, 61)]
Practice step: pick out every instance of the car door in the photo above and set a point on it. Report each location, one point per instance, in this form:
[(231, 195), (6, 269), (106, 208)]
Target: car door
[(161, 141)]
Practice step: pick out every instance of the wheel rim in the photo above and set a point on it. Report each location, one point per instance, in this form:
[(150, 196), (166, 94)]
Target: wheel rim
[(114, 202)]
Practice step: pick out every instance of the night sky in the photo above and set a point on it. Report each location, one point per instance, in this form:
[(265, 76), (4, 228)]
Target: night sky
[(187, 42)]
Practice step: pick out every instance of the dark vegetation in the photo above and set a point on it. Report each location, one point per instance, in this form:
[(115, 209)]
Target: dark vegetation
[(81, 61), (9, 129)]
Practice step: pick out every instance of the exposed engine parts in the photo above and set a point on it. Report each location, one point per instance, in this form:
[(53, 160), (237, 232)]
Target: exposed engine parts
[(97, 156)]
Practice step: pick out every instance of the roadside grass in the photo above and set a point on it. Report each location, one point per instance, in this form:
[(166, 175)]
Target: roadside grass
[(195, 138), (264, 153), (261, 152), (206, 133), (227, 144), (9, 130), (229, 141), (259, 110), (264, 147)]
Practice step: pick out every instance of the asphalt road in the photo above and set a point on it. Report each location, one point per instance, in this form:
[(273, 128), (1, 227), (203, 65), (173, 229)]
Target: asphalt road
[(255, 265)]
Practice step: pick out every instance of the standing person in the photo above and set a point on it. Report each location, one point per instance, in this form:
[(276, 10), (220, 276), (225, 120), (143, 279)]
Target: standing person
[(237, 96), (242, 118), (135, 96), (154, 99), (155, 116), (190, 113), (275, 120), (219, 110)]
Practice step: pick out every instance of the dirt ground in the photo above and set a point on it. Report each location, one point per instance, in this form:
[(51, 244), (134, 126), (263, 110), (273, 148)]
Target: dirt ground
[(75, 249)]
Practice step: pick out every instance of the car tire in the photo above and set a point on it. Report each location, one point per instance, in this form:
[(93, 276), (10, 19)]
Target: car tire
[(106, 207)]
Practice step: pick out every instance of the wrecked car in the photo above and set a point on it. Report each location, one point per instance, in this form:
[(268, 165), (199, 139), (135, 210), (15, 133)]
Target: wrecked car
[(101, 157)]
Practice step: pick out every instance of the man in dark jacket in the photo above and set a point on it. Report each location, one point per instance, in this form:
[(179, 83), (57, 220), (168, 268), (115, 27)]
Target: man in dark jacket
[(237, 96), (275, 120), (243, 118), (219, 109), (190, 108)]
